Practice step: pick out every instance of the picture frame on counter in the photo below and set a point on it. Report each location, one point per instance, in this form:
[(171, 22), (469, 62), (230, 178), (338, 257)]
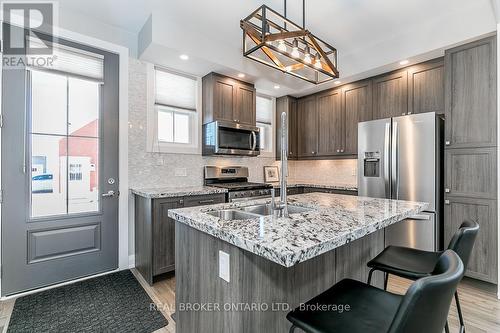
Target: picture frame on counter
[(271, 174)]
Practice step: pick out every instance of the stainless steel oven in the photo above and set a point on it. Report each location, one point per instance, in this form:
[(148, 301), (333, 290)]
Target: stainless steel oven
[(228, 138)]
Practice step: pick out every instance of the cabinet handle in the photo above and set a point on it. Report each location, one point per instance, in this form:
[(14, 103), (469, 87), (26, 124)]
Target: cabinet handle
[(341, 150), (201, 202), (447, 202), (291, 153), (409, 112), (338, 150), (447, 190), (403, 114), (447, 143)]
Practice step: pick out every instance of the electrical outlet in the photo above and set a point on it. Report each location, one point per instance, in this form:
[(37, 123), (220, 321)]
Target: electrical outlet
[(354, 172), (224, 266), (180, 172)]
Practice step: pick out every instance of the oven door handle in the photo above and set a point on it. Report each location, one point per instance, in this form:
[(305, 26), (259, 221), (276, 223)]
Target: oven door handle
[(254, 138)]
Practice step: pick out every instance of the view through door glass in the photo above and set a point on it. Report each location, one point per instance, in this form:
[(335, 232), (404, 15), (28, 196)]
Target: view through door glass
[(65, 144)]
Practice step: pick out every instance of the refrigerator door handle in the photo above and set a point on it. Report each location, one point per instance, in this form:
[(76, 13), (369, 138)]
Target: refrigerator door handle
[(395, 161), (387, 142), (420, 217)]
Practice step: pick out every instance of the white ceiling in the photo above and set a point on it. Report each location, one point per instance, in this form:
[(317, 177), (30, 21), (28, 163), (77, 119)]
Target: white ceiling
[(370, 35)]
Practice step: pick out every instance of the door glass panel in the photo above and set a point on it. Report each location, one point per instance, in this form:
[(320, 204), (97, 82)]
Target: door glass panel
[(48, 103), (64, 160), (48, 183), (83, 107), (82, 175)]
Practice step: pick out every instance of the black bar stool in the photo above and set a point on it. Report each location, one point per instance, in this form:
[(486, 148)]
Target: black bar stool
[(375, 310), (415, 264)]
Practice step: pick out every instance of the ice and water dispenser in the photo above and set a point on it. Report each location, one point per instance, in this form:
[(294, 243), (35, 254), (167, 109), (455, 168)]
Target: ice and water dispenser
[(371, 162)]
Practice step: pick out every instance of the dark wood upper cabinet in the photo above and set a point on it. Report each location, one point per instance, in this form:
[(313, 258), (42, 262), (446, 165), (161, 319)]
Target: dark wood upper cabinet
[(426, 87), (228, 99), (287, 104), (307, 127), (390, 95), (330, 123), (471, 172), (357, 105), (470, 94), (245, 112)]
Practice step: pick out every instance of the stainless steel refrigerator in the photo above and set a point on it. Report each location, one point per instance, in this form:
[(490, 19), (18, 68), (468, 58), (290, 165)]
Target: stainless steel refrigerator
[(401, 158)]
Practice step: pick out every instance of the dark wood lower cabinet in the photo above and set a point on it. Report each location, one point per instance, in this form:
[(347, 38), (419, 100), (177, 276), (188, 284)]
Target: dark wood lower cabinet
[(163, 232), (155, 231), (483, 261)]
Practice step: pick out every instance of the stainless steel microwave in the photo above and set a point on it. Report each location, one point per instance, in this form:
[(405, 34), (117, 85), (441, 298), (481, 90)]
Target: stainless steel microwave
[(229, 138)]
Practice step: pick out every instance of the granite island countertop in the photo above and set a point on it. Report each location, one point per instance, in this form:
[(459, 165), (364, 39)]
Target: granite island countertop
[(333, 221), (172, 192)]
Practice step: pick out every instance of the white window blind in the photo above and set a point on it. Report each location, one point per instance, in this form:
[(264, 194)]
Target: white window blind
[(175, 90), (264, 110), (71, 60)]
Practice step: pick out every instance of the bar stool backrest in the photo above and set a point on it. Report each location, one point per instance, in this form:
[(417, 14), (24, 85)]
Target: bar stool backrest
[(425, 306), (463, 240)]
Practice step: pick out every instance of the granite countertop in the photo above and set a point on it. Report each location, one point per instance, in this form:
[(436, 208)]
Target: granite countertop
[(344, 187), (333, 221), (172, 192)]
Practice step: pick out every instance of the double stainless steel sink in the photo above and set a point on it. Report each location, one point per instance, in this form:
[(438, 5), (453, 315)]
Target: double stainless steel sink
[(252, 212)]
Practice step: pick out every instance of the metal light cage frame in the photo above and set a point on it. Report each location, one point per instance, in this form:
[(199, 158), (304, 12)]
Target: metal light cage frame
[(265, 27)]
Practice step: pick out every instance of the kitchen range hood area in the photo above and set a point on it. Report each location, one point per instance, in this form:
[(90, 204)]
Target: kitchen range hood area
[(240, 166)]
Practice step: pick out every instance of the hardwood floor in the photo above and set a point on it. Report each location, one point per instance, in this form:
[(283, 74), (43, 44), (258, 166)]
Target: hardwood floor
[(479, 302)]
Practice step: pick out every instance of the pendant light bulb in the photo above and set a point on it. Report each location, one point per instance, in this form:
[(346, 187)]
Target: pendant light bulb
[(266, 33), (307, 56), (317, 62), (295, 49), (282, 46)]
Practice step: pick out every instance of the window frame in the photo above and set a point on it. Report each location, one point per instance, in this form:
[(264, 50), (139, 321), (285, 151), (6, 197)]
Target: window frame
[(153, 144), (269, 153)]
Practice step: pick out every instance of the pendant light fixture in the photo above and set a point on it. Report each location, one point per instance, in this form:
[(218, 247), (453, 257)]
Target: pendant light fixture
[(272, 39)]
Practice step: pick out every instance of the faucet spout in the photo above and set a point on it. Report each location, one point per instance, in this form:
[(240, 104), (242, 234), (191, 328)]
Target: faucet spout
[(284, 165)]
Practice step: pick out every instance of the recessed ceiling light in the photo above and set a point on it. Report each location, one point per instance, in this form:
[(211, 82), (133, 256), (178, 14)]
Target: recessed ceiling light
[(404, 62), (184, 57), (337, 82), (276, 86), (241, 75)]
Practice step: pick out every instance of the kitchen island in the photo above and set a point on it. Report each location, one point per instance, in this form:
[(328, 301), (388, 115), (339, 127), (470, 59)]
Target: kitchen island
[(274, 263)]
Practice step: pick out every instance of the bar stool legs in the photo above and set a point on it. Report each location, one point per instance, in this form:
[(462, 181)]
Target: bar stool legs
[(459, 310), (292, 329), (386, 278), (446, 328)]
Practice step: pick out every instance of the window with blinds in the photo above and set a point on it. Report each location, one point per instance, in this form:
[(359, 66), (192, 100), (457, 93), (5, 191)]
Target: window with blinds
[(175, 107), (265, 116), (72, 61)]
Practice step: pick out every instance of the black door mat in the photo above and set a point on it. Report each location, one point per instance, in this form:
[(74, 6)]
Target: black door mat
[(109, 303)]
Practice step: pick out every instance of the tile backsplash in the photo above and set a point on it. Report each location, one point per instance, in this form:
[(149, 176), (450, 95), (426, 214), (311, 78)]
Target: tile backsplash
[(172, 170), (324, 171), (168, 170)]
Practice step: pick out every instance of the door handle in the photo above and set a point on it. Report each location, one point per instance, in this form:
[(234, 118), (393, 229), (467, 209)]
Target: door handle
[(420, 217), (254, 138), (108, 194), (395, 161), (202, 202), (387, 141)]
